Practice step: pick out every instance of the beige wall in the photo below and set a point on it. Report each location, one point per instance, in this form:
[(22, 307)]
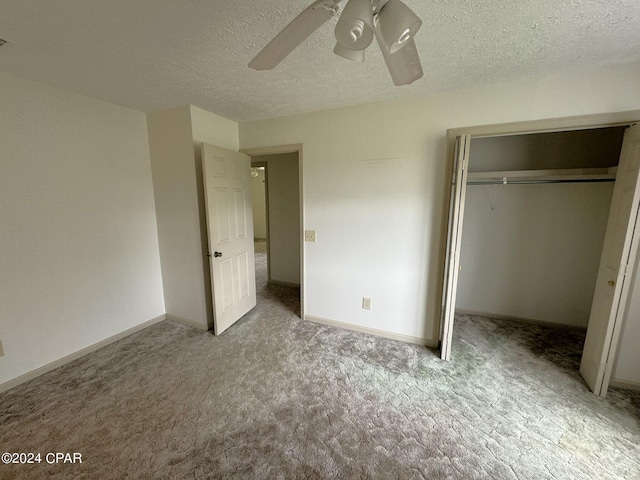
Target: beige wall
[(375, 183), (78, 241)]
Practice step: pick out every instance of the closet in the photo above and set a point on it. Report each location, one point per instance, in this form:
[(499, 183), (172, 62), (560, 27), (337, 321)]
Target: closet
[(535, 217), (544, 227)]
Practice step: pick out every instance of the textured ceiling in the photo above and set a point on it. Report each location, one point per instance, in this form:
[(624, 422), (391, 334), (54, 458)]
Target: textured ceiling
[(155, 54)]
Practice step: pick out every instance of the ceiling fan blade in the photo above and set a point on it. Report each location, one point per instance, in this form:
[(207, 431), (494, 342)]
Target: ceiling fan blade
[(312, 18), (404, 65)]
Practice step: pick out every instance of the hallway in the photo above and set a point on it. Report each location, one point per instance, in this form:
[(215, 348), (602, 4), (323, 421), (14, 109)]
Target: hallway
[(272, 295)]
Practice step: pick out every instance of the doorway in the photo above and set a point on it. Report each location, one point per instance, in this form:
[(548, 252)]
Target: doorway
[(494, 180), (277, 223)]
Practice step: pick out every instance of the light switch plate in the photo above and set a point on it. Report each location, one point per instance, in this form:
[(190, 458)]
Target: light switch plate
[(366, 303), (309, 235)]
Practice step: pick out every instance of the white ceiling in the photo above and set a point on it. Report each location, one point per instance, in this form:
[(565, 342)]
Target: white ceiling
[(155, 54)]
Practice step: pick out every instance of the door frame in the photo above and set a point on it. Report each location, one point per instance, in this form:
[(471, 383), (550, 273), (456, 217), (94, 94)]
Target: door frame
[(276, 150), (563, 124)]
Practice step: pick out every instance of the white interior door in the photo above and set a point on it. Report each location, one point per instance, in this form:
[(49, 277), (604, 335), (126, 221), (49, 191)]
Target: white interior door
[(614, 274), (227, 185), (452, 262)]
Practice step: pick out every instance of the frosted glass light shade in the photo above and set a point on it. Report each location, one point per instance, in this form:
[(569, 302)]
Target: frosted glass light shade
[(355, 55), (398, 24), (355, 27)]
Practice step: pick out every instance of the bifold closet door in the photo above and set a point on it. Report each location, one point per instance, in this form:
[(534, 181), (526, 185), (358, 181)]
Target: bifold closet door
[(614, 274), (454, 237)]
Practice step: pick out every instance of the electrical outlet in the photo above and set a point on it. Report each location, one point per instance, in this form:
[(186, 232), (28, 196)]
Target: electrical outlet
[(366, 303), (309, 235), (1, 351)]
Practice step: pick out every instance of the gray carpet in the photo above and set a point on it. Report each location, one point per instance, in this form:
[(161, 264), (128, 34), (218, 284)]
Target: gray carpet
[(278, 397)]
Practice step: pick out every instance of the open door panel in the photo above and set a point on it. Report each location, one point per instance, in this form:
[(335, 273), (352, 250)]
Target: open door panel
[(454, 237), (614, 274), (227, 184)]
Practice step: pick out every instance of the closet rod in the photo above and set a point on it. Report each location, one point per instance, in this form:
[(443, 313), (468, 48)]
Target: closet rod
[(529, 182)]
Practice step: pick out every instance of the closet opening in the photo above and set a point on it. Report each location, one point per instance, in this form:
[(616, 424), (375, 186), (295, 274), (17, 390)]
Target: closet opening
[(535, 217), (536, 210)]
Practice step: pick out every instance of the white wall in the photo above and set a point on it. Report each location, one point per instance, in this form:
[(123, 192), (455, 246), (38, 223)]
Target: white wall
[(259, 206), (283, 192), (175, 138), (533, 251), (375, 185), (214, 129), (79, 258), (176, 198)]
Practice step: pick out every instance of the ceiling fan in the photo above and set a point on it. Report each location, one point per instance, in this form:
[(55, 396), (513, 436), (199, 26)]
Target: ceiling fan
[(391, 22)]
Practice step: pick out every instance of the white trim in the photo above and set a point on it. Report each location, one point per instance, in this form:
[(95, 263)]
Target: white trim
[(549, 125), (275, 150), (188, 322), (76, 355), (374, 331), (625, 385), (303, 290), (512, 318)]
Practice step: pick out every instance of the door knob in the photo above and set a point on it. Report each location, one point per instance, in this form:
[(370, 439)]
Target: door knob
[(611, 283), (217, 254)]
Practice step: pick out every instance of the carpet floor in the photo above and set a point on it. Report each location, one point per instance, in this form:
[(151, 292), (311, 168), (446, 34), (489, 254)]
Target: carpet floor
[(279, 397)]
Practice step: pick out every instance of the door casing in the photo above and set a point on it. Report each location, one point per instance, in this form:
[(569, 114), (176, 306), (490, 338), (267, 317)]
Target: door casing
[(291, 148)]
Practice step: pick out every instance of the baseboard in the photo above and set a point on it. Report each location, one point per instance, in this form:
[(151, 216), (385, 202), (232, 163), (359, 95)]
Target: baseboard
[(374, 331), (499, 316), (186, 321), (625, 385), (74, 356), (285, 284)]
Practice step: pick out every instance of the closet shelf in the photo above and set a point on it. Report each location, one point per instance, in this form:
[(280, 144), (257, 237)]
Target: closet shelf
[(544, 176)]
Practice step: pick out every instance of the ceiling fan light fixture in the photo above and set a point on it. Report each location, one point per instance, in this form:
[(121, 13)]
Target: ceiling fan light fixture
[(398, 24), (355, 55), (391, 22), (354, 30)]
